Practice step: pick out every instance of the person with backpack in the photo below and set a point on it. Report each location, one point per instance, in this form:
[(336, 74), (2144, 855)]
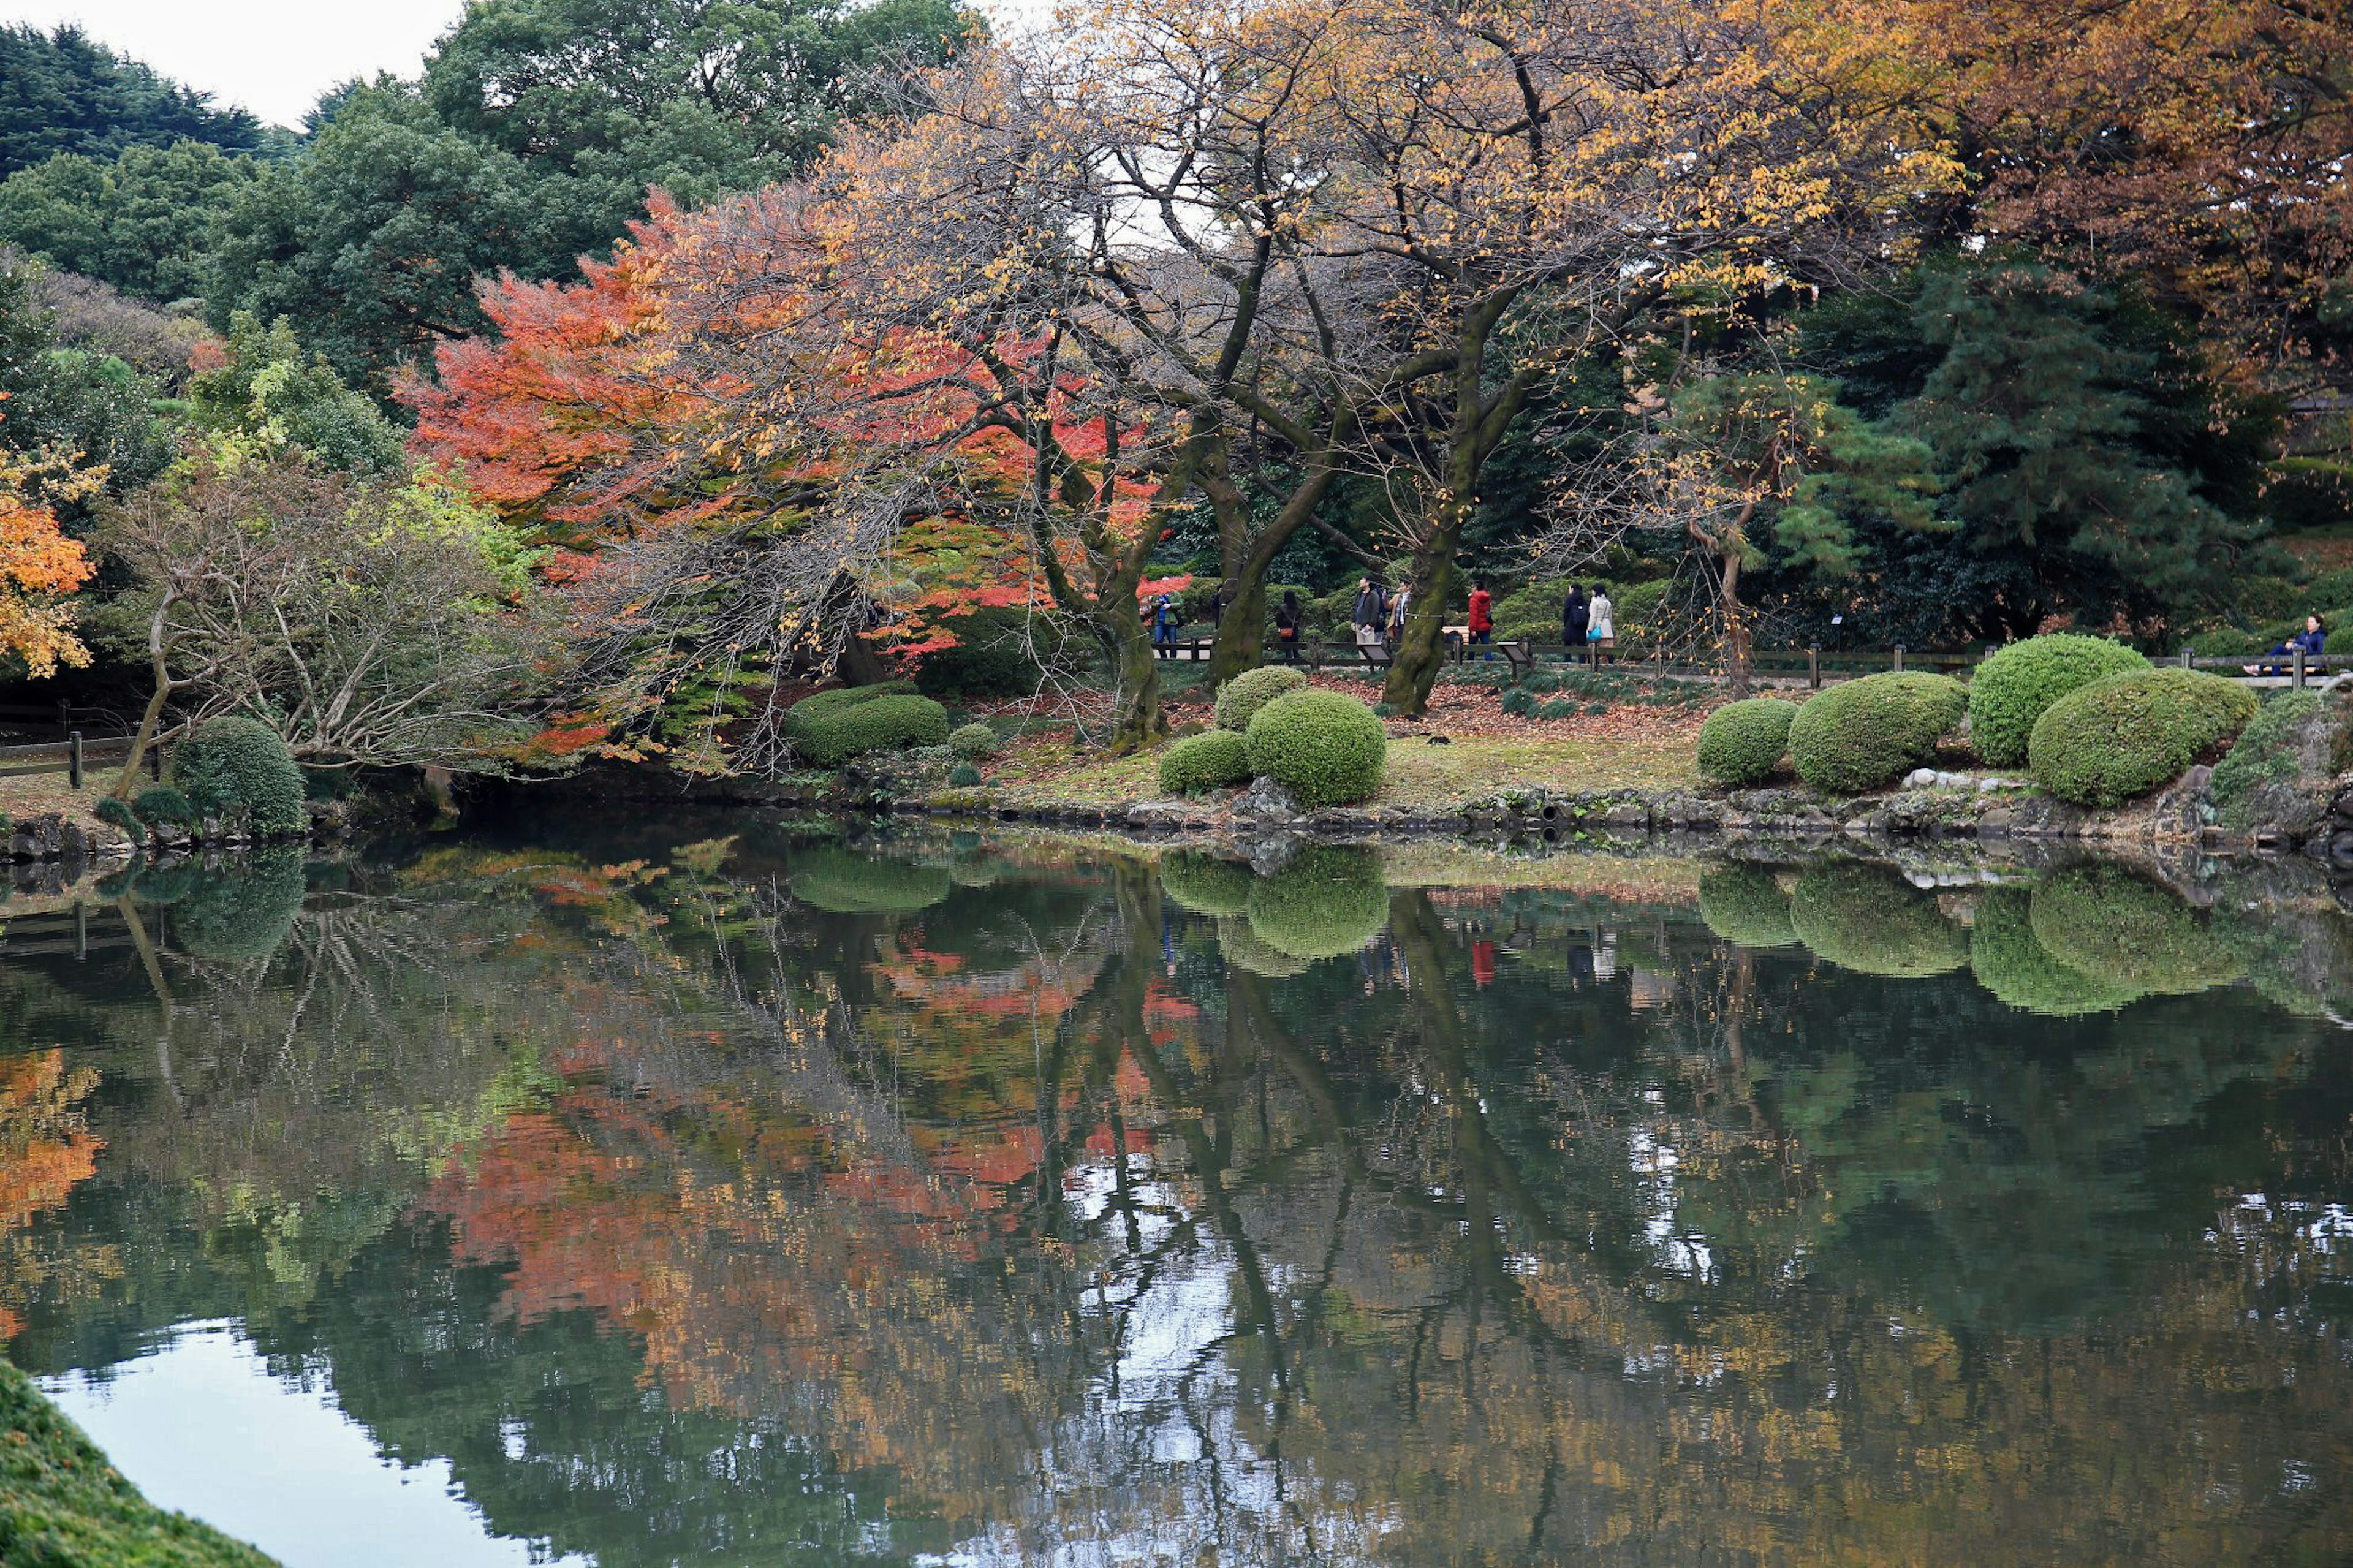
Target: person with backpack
[(1601, 626), (1482, 623), (1289, 620), (1573, 616), (1164, 627), (1366, 613)]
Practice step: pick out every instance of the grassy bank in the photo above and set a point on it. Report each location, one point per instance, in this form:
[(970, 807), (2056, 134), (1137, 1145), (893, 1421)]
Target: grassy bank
[(22, 799), (63, 1506)]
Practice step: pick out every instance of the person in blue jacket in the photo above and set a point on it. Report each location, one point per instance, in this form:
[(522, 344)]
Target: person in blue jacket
[(2313, 640)]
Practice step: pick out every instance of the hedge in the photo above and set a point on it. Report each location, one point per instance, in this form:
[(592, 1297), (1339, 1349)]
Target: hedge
[(2108, 924), (804, 717), (882, 724), (842, 882), (1327, 903), (1240, 700), (2014, 687), (2010, 961), (973, 742), (1869, 919), (236, 917), (1204, 884), (240, 767), (1862, 734), (1211, 760), (1745, 907), (1324, 747), (1742, 742), (2116, 740)]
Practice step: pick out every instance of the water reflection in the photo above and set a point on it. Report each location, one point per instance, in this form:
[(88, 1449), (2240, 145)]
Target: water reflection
[(757, 1199)]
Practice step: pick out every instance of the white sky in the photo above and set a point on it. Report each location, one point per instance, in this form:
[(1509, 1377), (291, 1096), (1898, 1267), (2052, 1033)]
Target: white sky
[(274, 56)]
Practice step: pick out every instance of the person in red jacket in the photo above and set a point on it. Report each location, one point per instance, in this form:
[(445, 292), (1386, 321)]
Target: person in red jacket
[(1482, 615)]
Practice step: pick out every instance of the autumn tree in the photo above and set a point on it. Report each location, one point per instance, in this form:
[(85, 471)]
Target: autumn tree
[(40, 566)]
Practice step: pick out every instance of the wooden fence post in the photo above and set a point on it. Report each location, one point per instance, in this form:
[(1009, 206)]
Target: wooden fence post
[(2187, 655), (2299, 667), (73, 757), (1814, 665), (1899, 659)]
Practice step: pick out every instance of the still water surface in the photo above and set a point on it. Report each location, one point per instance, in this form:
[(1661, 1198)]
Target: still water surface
[(758, 1199)]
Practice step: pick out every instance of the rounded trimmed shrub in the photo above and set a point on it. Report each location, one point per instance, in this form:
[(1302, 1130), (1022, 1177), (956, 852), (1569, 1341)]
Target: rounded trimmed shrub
[(1742, 742), (882, 724), (1862, 734), (803, 716), (842, 882), (2116, 740), (1745, 907), (2008, 961), (1329, 901), (973, 742), (1211, 760), (2014, 687), (1240, 700), (964, 775), (240, 767), (1204, 884), (1869, 919), (161, 805), (1324, 747), (1247, 951), (235, 916), (2107, 923)]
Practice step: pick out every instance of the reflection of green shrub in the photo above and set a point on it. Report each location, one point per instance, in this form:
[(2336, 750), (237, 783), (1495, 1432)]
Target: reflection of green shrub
[(1742, 905), (243, 767), (1246, 949), (1869, 919), (2115, 926), (842, 882), (1328, 902), (1211, 760), (1240, 699), (2118, 739), (1204, 884), (1741, 742), (2011, 688), (1860, 735), (160, 885), (1324, 747), (2009, 962), (973, 742), (886, 723), (241, 912)]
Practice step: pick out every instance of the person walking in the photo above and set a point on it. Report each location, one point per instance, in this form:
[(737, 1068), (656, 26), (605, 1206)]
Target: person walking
[(1601, 624), (1398, 606), (1482, 622), (1365, 615), (1287, 619), (1164, 627), (1573, 614)]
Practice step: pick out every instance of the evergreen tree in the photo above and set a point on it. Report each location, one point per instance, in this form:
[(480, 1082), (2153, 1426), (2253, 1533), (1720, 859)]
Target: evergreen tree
[(60, 92), (145, 222)]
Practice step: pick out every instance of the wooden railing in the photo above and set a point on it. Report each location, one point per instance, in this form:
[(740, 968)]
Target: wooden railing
[(70, 756)]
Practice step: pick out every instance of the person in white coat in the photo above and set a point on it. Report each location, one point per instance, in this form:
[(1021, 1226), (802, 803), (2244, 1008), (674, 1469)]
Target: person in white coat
[(1601, 624)]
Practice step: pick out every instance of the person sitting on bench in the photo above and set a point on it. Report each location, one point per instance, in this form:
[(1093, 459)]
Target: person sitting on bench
[(2313, 640)]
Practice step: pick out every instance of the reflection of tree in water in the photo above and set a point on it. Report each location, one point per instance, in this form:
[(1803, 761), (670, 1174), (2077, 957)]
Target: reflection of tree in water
[(1019, 1221)]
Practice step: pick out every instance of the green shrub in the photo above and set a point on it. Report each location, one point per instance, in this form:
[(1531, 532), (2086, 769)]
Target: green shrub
[(1862, 734), (241, 767), (1240, 700), (2011, 689), (1745, 907), (2106, 922), (242, 912), (964, 775), (2292, 747), (1211, 760), (973, 742), (1325, 748), (995, 656), (804, 717), (1204, 884), (118, 813), (163, 806), (1869, 919), (882, 724), (1519, 701), (2008, 961), (1329, 901), (2120, 737), (1247, 951), (1742, 742), (843, 882)]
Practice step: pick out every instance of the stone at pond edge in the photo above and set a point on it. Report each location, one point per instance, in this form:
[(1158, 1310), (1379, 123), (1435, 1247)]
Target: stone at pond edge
[(1266, 798)]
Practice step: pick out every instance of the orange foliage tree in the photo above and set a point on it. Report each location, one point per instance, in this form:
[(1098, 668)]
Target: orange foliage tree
[(39, 564)]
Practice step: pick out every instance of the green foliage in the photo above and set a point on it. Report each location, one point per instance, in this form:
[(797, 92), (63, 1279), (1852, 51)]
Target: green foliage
[(244, 911), (1329, 900), (884, 723), (1862, 734), (1324, 747), (2010, 690), (62, 1505), (1204, 884), (66, 400), (1240, 700), (67, 93), (1742, 742), (142, 222), (163, 806), (992, 657), (2120, 737), (1213, 758), (1869, 919), (2009, 961), (241, 767), (270, 396), (964, 775), (2296, 741), (803, 716), (118, 813), (1744, 906), (843, 882), (2106, 922), (973, 742)]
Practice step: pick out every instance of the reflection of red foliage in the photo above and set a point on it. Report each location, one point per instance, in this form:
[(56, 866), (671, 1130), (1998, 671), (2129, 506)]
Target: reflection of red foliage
[(1482, 961)]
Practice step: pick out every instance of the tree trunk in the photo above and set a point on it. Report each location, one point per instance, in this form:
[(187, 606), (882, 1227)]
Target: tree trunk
[(1738, 639), (153, 719), (1241, 635), (1137, 719), (1415, 662)]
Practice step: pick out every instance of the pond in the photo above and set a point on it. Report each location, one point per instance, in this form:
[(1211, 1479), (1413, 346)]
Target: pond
[(731, 1194)]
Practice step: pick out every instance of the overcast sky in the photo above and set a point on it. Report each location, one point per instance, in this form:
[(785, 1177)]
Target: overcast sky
[(276, 56)]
